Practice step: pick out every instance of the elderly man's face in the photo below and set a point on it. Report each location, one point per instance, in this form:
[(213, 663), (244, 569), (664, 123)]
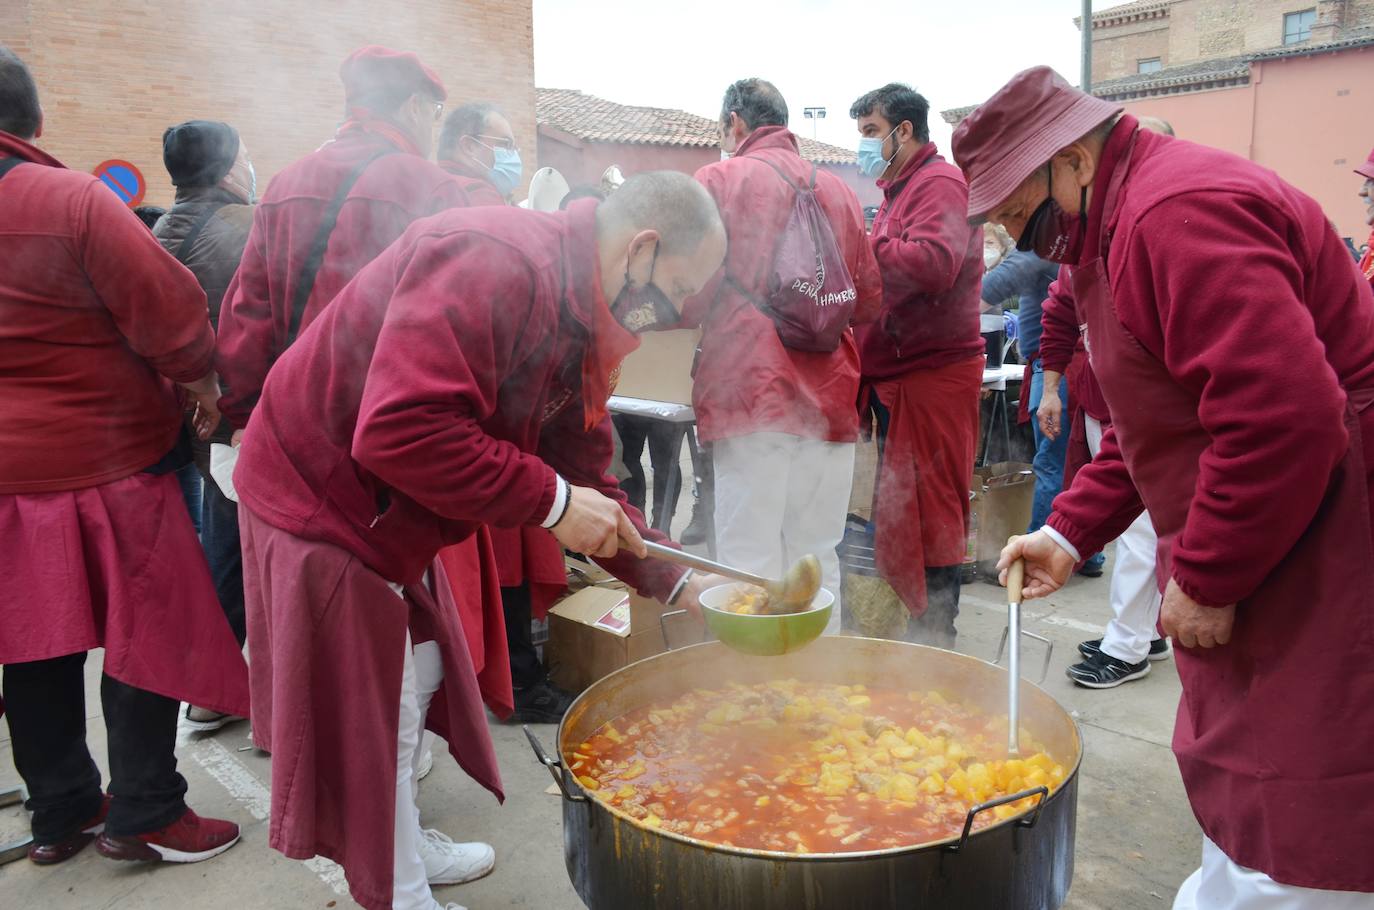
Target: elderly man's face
[(1367, 193), (1063, 177)]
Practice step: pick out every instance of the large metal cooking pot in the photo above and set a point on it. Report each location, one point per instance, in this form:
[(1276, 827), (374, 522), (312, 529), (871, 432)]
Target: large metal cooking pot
[(1022, 863)]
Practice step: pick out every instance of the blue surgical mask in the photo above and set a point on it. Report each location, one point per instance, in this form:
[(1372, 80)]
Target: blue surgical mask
[(871, 160), (506, 170)]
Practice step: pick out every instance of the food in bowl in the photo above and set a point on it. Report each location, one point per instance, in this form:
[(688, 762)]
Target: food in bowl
[(805, 767), (751, 600)]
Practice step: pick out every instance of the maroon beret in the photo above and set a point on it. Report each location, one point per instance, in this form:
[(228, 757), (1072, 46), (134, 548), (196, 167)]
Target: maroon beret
[(374, 69), (1017, 130), (1366, 170)]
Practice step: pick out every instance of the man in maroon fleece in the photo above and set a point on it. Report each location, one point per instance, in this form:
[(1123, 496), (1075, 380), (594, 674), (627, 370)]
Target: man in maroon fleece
[(461, 379), (1233, 339), (923, 361), (101, 332)]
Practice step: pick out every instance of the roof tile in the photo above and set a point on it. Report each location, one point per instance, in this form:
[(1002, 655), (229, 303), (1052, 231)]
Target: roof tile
[(594, 119)]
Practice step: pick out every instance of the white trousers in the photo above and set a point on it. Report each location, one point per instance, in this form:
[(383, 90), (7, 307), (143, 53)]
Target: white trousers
[(1221, 884), (1134, 588), (421, 677), (780, 497)]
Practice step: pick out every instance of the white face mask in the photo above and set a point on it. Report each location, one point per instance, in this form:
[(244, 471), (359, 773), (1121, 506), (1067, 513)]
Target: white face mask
[(990, 258), (726, 156)]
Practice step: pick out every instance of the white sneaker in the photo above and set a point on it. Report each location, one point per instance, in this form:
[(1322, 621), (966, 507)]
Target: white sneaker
[(448, 863), (426, 765)]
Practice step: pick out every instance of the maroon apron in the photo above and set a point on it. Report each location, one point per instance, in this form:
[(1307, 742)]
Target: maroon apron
[(1275, 731)]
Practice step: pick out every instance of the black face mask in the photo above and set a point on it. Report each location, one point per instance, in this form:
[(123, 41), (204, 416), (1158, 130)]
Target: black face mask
[(1054, 234), (645, 308)]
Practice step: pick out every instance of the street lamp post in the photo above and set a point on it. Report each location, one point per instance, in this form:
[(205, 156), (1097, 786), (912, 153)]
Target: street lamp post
[(813, 114)]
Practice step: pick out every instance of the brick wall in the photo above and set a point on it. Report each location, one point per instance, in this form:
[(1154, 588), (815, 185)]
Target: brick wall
[(113, 74), (1196, 30)]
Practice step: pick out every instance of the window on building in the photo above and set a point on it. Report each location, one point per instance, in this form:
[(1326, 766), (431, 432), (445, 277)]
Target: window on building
[(1149, 65), (1297, 27)]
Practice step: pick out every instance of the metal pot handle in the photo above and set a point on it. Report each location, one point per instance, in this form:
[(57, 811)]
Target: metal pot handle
[(1049, 650), (556, 769), (1027, 822)]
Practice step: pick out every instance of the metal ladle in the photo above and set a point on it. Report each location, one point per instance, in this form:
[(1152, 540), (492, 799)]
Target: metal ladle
[(1016, 577), (794, 592)]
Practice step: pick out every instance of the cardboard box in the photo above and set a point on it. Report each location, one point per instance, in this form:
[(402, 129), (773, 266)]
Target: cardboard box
[(598, 630), (661, 369), (1003, 495)]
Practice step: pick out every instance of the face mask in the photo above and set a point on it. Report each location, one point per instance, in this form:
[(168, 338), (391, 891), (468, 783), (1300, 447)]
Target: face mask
[(252, 184), (726, 156), (506, 170), (871, 160), (1052, 233), (645, 308), (990, 259)]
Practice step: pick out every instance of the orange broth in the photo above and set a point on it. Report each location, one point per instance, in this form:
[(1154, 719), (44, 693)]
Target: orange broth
[(809, 768)]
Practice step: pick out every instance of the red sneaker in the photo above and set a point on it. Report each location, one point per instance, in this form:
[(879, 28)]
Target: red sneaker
[(74, 843), (189, 839)]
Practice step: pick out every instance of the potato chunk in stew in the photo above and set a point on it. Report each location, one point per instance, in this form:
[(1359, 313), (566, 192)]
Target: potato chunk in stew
[(852, 768)]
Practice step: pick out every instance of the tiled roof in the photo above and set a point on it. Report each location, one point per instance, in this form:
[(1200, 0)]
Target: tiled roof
[(1355, 37), (593, 119), (1130, 9), (1188, 77)]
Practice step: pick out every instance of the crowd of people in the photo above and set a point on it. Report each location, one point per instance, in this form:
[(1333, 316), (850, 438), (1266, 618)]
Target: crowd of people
[(352, 425)]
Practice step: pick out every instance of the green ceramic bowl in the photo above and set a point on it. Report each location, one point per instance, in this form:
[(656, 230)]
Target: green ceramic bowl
[(765, 636)]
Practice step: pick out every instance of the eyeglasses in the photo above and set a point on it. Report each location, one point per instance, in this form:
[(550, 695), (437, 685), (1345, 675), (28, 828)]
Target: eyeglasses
[(502, 142)]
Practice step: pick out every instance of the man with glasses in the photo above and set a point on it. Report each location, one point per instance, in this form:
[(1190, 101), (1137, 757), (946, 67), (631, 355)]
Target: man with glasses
[(320, 222), (477, 146)]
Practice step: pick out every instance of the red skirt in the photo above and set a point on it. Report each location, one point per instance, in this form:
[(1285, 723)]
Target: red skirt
[(920, 505), (118, 566)]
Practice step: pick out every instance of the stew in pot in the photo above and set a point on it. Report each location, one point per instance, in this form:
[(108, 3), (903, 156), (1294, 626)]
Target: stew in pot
[(809, 767)]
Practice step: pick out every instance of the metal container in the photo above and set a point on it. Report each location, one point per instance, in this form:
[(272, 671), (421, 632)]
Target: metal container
[(1022, 863)]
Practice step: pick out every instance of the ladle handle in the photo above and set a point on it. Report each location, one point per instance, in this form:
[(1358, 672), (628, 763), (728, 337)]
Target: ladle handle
[(692, 561), (1016, 580), (1016, 576)]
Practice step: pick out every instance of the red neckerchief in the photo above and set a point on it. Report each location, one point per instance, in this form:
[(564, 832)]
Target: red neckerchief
[(1367, 263), (12, 146), (361, 120)]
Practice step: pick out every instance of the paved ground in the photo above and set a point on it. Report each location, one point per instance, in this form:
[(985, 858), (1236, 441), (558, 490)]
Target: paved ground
[(1136, 837)]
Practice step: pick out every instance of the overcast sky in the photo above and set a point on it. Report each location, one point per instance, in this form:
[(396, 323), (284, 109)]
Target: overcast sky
[(821, 53)]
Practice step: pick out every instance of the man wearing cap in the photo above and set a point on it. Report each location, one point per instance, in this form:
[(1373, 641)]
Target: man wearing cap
[(330, 213), (206, 230), (460, 380), (923, 361), (102, 334), (1366, 171), (1234, 345), (321, 220)]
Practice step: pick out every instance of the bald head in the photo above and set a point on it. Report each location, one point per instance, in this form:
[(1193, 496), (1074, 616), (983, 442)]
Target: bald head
[(1155, 125), (661, 227), (674, 205)]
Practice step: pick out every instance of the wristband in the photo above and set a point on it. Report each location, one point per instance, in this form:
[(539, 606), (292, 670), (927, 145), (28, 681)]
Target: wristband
[(677, 588), (562, 498)]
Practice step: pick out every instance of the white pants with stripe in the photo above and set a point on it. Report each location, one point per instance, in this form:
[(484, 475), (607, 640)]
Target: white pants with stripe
[(1134, 588), (421, 677), (780, 497), (1221, 884)]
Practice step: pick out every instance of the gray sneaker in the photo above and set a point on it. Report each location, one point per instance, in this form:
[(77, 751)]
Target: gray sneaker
[(1104, 672)]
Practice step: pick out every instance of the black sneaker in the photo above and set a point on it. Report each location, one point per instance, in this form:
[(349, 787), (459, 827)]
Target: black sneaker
[(1103, 672), (1160, 648), (543, 703)]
